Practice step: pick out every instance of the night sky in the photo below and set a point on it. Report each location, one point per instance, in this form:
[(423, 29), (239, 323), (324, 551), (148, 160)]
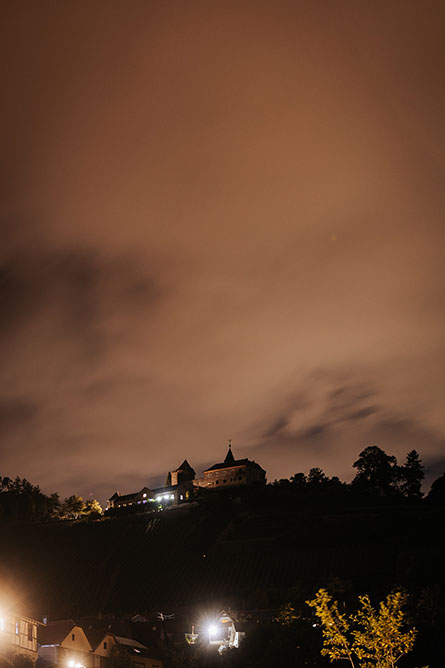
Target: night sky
[(219, 220)]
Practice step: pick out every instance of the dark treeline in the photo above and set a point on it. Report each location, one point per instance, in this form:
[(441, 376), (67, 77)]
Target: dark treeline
[(20, 501), (378, 476)]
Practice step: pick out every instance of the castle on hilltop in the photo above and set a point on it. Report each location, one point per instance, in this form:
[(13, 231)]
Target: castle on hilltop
[(180, 483)]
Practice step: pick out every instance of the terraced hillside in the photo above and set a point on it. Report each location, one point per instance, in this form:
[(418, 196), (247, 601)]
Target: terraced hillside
[(229, 555)]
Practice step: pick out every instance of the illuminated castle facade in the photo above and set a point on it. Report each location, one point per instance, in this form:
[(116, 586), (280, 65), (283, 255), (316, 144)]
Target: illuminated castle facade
[(181, 482), (231, 472)]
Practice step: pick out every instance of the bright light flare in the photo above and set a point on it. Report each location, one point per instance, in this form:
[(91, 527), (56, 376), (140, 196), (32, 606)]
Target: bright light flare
[(212, 629)]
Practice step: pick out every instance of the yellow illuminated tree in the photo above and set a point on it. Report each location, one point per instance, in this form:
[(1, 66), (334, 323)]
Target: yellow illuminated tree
[(337, 641), (368, 638), (287, 615)]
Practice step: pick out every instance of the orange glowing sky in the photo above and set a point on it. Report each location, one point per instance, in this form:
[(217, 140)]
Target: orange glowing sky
[(219, 220)]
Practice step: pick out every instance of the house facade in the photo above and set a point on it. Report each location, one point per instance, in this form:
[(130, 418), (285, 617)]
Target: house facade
[(140, 656), (65, 644), (18, 635)]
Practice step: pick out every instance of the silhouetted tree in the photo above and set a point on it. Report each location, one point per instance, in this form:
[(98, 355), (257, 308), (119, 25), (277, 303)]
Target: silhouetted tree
[(437, 491), (316, 477), (73, 506), (22, 501), (377, 472), (299, 480), (411, 475)]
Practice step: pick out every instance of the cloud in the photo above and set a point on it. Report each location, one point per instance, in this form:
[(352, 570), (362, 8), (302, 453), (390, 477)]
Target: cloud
[(202, 243), (15, 414), (76, 290)]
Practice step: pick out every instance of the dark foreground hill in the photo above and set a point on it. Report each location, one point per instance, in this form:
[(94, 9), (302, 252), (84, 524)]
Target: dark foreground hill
[(250, 552)]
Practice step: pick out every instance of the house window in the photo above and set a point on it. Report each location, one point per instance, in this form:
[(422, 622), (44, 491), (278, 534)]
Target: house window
[(105, 645), (73, 637), (16, 628), (29, 632)]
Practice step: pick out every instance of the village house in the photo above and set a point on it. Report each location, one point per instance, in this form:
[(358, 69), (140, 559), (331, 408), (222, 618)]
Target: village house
[(104, 643), (65, 644), (18, 635)]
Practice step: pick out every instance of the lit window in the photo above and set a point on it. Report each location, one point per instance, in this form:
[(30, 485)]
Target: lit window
[(144, 495), (17, 628), (29, 632)]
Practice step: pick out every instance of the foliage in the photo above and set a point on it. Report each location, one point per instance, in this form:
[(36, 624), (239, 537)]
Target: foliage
[(411, 476), (72, 507), (368, 638), (337, 642), (92, 508), (377, 472), (437, 491), (75, 507), (22, 501), (287, 615), (380, 639)]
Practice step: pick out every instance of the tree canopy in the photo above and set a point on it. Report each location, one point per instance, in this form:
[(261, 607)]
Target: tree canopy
[(368, 638)]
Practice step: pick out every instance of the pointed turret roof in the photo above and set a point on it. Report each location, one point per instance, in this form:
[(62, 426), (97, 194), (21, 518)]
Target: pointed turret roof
[(230, 459), (185, 466)]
